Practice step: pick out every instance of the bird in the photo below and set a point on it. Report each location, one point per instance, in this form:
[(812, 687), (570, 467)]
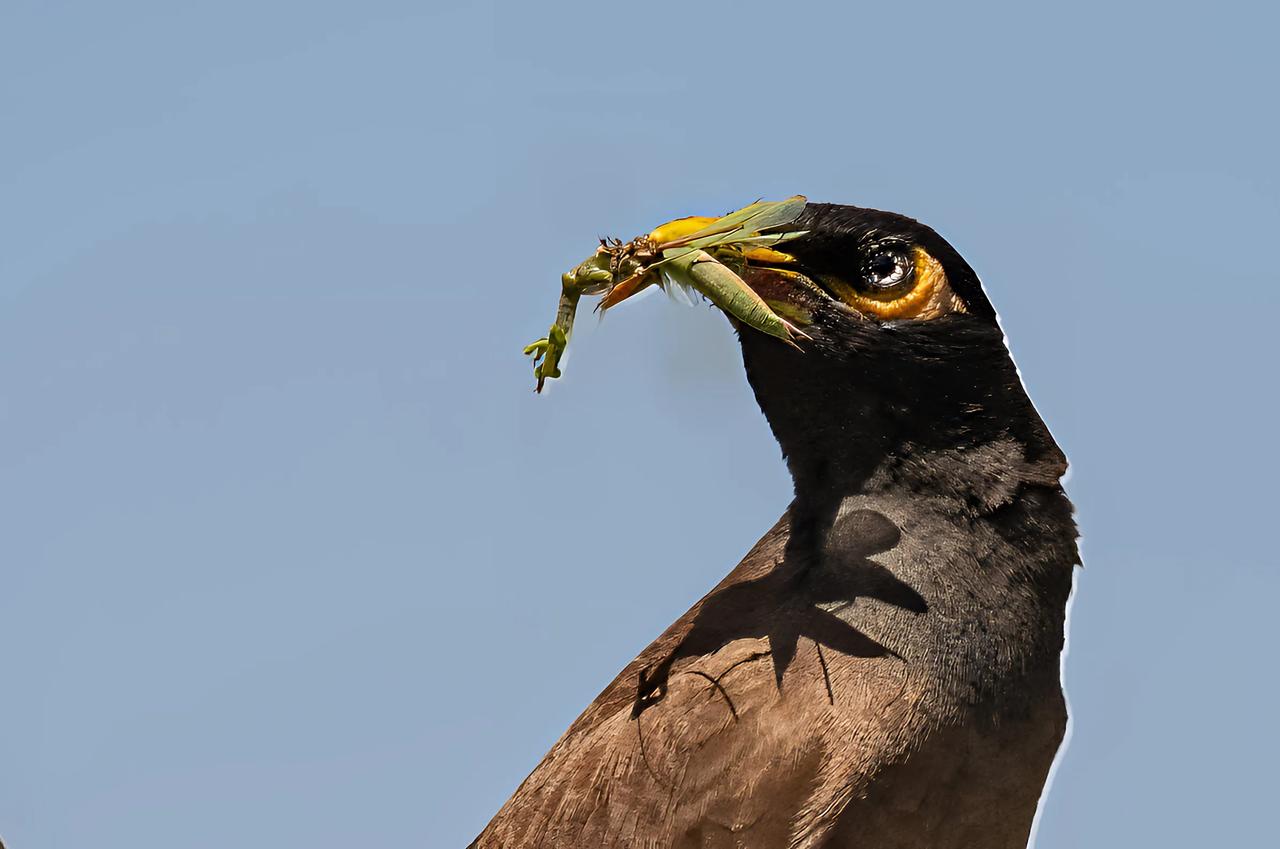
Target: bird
[(882, 670)]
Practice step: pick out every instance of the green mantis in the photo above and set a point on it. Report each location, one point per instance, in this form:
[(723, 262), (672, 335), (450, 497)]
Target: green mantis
[(698, 254)]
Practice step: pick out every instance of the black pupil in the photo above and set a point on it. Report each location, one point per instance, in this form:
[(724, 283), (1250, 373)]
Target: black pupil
[(882, 269)]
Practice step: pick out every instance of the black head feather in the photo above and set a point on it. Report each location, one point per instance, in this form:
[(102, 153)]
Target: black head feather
[(865, 395)]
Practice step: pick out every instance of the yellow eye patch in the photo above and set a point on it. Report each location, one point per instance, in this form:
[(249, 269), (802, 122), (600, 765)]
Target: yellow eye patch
[(930, 296)]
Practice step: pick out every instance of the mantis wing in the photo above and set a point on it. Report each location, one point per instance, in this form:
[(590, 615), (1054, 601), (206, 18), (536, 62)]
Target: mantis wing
[(736, 226)]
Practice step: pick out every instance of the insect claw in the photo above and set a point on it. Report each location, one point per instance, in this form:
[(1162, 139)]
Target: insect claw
[(797, 331)]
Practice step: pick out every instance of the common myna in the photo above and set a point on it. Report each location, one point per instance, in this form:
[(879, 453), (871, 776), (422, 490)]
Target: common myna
[(882, 668)]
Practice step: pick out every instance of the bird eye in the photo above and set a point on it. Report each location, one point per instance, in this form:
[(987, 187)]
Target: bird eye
[(886, 270)]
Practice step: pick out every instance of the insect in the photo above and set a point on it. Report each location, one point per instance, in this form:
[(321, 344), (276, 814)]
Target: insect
[(698, 254)]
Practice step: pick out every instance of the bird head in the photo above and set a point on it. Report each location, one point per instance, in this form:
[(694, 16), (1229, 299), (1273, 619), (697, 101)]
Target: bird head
[(863, 267), (904, 359)]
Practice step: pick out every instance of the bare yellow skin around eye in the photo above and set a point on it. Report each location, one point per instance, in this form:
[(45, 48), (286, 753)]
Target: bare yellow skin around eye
[(930, 298)]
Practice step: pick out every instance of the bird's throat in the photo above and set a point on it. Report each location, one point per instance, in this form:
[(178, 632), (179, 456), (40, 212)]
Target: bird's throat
[(871, 410)]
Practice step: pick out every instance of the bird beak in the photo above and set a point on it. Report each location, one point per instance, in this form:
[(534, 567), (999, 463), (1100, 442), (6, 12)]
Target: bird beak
[(779, 280)]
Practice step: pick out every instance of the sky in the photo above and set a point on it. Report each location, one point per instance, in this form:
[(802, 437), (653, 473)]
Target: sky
[(292, 555)]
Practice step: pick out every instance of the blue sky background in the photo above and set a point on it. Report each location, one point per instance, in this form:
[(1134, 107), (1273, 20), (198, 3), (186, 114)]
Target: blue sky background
[(292, 555)]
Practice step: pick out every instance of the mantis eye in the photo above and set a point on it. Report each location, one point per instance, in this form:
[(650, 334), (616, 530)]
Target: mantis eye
[(887, 271)]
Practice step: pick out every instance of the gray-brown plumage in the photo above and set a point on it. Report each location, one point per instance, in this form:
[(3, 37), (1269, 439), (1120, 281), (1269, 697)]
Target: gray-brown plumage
[(882, 669)]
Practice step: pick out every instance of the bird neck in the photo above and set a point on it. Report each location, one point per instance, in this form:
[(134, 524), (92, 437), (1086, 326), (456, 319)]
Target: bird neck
[(918, 411)]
